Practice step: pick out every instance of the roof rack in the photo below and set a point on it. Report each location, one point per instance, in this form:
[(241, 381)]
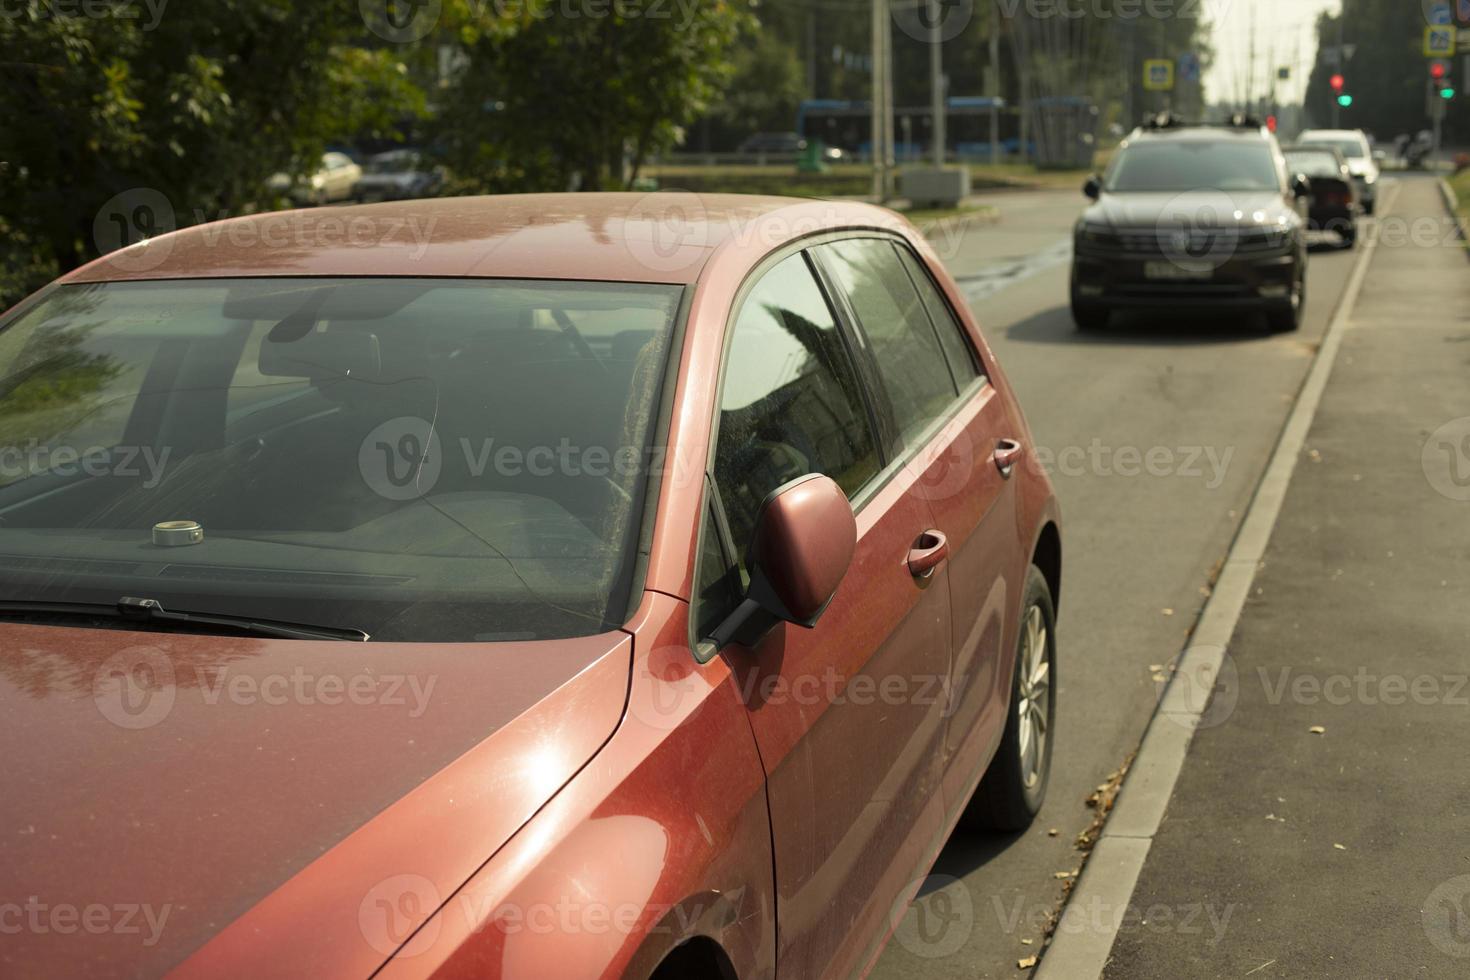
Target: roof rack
[(1168, 120)]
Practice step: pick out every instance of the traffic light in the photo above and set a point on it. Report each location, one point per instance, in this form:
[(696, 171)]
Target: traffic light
[(1448, 92), (1337, 82), (1436, 70), (1271, 123), (1344, 100)]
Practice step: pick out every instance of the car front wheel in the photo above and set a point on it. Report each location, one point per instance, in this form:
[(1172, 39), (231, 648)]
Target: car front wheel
[(1288, 317), (1014, 787), (1087, 316)]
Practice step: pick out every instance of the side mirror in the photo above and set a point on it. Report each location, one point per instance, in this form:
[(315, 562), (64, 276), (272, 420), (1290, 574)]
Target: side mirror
[(1300, 185), (805, 535), (1093, 187)]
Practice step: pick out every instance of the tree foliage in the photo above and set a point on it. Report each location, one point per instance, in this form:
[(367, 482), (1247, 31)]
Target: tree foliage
[(200, 104), (1387, 74), (551, 102)]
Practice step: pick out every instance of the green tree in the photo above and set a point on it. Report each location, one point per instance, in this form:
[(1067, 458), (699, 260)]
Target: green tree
[(199, 104), (1386, 76), (555, 99)]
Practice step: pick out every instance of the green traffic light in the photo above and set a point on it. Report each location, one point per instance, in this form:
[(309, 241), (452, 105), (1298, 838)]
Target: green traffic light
[(1344, 100), (1446, 93)]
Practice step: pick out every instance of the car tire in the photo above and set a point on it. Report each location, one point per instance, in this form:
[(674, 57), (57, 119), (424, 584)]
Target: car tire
[(1284, 319), (1014, 787), (1089, 318)]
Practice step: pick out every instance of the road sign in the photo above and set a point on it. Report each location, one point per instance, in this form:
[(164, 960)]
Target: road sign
[(1439, 41), (1189, 67), (1158, 75), (1438, 12)]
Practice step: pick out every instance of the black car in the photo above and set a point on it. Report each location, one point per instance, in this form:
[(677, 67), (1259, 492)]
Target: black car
[(1334, 203), (1198, 217)]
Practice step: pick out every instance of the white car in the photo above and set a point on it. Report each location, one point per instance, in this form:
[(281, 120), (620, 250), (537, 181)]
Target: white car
[(335, 180), (1359, 154)]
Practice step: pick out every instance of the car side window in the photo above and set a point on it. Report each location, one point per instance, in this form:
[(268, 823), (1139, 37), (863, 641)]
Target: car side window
[(957, 348), (791, 403), (904, 343)]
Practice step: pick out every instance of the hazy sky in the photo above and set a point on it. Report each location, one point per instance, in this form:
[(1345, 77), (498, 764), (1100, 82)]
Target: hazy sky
[(1285, 36)]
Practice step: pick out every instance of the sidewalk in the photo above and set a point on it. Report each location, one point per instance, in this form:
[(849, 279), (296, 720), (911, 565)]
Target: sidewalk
[(1288, 853)]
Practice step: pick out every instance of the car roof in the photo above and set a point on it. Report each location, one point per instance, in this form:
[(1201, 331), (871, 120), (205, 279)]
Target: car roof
[(1337, 134), (1320, 149), (662, 237), (1199, 134)]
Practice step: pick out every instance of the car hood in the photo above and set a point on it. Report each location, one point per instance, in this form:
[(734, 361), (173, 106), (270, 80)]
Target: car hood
[(1155, 210), (201, 802), (1361, 166)]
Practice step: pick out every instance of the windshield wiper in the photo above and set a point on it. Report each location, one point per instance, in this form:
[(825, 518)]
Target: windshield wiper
[(138, 610)]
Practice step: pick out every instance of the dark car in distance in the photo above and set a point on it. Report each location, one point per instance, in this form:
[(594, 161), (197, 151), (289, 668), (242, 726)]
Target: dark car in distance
[(1193, 217), (398, 175), (1334, 204)]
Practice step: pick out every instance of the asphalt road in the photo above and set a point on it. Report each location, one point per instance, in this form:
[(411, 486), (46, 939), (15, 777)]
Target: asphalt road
[(1159, 429)]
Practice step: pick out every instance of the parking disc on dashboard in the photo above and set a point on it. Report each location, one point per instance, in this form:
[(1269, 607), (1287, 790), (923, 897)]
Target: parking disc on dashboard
[(177, 534)]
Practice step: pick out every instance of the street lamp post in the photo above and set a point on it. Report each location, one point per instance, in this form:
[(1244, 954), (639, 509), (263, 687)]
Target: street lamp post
[(882, 111), (936, 81)]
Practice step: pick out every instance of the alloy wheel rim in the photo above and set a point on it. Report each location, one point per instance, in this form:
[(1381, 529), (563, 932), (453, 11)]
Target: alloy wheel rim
[(1034, 701)]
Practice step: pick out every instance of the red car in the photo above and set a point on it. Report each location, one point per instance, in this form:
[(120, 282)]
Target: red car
[(558, 586)]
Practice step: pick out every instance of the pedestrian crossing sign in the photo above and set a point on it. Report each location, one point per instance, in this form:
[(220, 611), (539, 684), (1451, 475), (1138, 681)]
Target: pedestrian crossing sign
[(1439, 41), (1158, 75)]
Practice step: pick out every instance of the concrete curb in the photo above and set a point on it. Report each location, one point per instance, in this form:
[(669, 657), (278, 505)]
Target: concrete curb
[(1112, 870), (1450, 203)]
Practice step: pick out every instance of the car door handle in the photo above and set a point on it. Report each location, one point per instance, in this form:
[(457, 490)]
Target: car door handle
[(1007, 451), (928, 553)]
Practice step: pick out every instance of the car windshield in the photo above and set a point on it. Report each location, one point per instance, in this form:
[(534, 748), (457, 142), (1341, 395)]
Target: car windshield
[(1188, 165), (1351, 148), (1314, 164), (438, 460)]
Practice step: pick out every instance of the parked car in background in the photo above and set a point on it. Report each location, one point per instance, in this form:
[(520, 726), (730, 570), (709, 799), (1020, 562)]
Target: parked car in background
[(1193, 217), (399, 175), (1333, 204), (786, 144), (335, 180), (1356, 150), (677, 598)]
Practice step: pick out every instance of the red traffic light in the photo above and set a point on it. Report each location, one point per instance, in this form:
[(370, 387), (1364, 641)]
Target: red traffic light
[(1436, 70), (1271, 123), (1338, 82)]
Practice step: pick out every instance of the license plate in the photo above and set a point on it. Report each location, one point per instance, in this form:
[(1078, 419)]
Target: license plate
[(1178, 271)]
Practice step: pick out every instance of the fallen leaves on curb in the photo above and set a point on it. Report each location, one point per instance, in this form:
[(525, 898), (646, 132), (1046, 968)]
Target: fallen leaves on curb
[(1026, 963), (1317, 730), (1101, 802)]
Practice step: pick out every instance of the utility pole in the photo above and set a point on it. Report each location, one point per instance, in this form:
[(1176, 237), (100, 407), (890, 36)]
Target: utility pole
[(994, 86), (811, 53), (936, 81), (1341, 65), (1250, 72), (882, 101)]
